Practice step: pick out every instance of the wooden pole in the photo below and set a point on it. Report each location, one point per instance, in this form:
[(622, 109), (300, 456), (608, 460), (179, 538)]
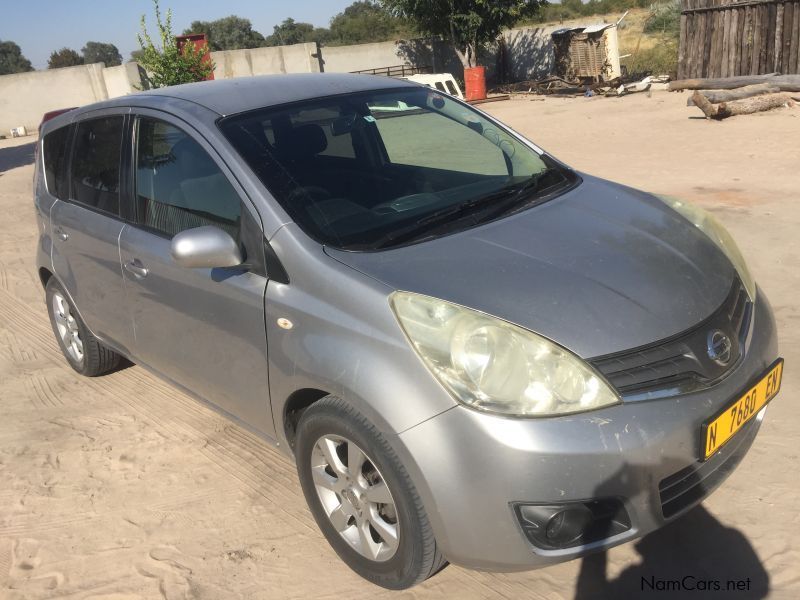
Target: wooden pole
[(729, 83), (740, 107), (717, 96)]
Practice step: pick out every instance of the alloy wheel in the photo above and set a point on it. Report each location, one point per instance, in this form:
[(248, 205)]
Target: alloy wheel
[(355, 497), (67, 327)]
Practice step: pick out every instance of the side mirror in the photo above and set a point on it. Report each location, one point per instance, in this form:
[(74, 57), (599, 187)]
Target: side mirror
[(205, 247)]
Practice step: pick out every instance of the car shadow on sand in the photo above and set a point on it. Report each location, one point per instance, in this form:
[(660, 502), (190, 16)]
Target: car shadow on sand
[(694, 556), (16, 156)]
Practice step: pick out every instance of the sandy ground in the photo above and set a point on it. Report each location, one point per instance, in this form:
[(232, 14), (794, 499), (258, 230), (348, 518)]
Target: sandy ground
[(122, 487)]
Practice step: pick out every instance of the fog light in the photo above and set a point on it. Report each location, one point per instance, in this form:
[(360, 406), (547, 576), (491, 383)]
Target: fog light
[(556, 526), (567, 525)]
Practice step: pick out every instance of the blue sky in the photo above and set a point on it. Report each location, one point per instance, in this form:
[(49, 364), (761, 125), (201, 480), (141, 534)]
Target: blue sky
[(41, 26)]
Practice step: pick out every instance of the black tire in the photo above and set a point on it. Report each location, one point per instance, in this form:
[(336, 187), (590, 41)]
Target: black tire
[(417, 556), (97, 358)]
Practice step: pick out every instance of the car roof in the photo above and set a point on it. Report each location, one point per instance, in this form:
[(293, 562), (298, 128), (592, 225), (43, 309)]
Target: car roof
[(231, 96)]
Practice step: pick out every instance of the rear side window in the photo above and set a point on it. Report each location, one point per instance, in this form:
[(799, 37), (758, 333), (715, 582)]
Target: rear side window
[(178, 185), (54, 149), (95, 163)]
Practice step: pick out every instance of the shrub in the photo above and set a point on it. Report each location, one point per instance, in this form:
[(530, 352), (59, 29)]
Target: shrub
[(167, 65)]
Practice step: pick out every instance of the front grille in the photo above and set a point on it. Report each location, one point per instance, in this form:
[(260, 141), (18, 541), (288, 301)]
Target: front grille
[(688, 486), (681, 364)]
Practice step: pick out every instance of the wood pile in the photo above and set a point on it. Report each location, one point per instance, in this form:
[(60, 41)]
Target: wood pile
[(724, 97)]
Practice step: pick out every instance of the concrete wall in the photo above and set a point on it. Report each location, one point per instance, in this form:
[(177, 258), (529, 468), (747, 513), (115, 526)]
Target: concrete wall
[(419, 52), (529, 52), (25, 97), (123, 79), (345, 59), (297, 58)]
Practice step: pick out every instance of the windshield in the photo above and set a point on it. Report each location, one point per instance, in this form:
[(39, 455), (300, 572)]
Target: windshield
[(378, 169)]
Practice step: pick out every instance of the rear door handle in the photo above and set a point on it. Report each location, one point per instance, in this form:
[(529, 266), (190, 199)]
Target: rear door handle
[(61, 234), (137, 268)]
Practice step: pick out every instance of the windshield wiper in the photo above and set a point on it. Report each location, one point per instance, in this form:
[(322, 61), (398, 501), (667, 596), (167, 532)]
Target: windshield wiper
[(441, 217), (524, 194), (499, 202)]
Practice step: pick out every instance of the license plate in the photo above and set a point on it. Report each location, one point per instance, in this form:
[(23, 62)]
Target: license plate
[(724, 426)]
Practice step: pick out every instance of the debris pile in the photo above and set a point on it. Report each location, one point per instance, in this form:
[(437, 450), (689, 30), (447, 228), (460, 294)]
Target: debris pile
[(724, 97), (559, 87), (586, 63)]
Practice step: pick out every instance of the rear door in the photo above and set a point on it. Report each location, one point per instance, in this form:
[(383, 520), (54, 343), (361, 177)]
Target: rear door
[(203, 328), (86, 226)]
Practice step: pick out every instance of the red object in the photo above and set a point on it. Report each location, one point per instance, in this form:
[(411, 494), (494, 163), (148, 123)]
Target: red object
[(475, 83), (200, 41), (53, 114)]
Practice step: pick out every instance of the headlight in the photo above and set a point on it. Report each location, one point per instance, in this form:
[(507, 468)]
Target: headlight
[(492, 365), (709, 225)]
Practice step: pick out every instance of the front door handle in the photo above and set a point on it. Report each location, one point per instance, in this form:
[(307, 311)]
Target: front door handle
[(136, 267), (61, 234)]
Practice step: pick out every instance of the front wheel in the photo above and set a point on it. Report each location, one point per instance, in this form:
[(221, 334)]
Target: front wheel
[(362, 498)]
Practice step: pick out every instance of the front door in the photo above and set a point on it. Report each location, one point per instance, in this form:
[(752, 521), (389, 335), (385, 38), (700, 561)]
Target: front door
[(203, 328)]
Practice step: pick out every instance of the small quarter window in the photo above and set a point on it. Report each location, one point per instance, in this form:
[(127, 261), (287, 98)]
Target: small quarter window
[(54, 150), (95, 164)]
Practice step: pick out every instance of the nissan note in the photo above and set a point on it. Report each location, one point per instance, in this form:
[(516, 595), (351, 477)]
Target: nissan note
[(472, 352)]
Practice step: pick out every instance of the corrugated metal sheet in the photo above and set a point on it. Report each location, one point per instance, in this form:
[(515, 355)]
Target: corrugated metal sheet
[(590, 52), (587, 54)]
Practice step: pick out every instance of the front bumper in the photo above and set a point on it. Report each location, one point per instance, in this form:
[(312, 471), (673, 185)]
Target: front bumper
[(471, 468)]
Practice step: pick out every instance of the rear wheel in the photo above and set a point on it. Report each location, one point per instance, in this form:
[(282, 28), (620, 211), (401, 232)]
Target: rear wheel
[(362, 498), (81, 349)]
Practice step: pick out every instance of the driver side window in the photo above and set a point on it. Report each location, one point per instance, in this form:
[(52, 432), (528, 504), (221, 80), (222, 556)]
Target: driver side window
[(178, 185)]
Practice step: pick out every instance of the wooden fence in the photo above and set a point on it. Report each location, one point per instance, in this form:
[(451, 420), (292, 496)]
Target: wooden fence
[(723, 38)]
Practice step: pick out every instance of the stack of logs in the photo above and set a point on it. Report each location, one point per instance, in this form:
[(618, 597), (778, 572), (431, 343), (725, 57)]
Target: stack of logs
[(727, 96)]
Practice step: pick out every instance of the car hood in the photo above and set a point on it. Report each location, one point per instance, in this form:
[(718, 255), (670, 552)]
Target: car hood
[(600, 269)]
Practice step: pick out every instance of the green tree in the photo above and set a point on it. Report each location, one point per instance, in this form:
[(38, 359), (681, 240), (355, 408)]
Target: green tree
[(95, 52), (167, 65), (571, 9), (467, 24), (12, 60), (291, 32), (664, 19), (66, 57), (228, 33), (365, 21)]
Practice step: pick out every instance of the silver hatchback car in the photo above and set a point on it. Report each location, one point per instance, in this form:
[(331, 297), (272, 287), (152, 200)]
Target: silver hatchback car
[(472, 352)]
